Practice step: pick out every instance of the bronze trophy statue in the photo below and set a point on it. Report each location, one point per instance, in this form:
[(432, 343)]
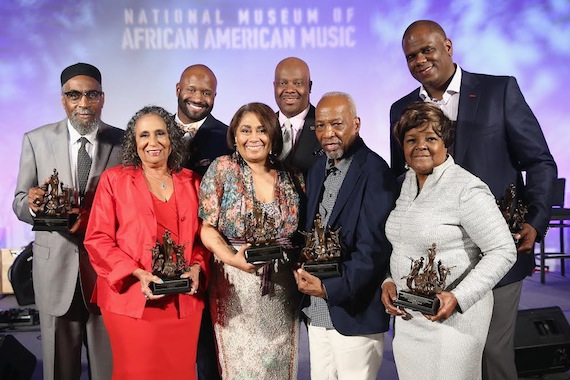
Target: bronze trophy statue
[(513, 210), (424, 283), (55, 207), (168, 263), (260, 232), (321, 255)]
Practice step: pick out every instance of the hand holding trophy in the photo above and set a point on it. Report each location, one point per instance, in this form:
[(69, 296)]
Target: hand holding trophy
[(424, 283), (54, 207), (169, 263), (260, 232), (321, 254), (513, 210)]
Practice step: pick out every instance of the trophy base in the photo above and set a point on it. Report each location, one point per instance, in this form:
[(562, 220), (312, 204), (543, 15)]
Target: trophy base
[(170, 286), (419, 302), (260, 254), (325, 269), (54, 223)]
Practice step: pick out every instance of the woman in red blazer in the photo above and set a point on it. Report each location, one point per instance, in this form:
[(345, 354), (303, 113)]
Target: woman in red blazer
[(152, 336)]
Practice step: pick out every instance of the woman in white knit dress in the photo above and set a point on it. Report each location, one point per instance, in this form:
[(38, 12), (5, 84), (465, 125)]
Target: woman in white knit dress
[(442, 203)]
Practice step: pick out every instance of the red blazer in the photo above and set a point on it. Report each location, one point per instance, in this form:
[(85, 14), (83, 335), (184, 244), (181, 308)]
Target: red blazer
[(122, 230)]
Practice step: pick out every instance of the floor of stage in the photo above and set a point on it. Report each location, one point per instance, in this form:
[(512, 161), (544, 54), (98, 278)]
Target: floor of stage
[(535, 295)]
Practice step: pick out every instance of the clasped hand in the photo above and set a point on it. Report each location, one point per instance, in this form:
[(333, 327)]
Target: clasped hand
[(447, 303), (309, 284), (238, 260), (145, 278), (526, 238), (36, 199)]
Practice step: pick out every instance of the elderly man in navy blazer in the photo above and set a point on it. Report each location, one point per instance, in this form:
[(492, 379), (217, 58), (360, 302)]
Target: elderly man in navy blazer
[(497, 137), (353, 190)]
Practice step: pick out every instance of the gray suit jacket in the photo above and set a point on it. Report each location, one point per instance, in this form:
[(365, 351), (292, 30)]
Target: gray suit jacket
[(57, 255)]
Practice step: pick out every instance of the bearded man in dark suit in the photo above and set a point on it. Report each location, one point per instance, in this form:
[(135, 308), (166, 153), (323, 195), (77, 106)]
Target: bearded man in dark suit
[(205, 135)]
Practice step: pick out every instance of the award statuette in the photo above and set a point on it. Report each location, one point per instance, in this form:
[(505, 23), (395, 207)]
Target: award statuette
[(321, 254), (513, 210), (168, 263), (424, 285), (260, 232), (55, 207)]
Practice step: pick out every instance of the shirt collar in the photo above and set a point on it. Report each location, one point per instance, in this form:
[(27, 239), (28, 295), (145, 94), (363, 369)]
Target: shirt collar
[(342, 165), (195, 124), (452, 89), (297, 121), (74, 136)]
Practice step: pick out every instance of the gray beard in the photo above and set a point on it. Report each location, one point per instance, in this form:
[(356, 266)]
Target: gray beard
[(84, 129), (336, 155)]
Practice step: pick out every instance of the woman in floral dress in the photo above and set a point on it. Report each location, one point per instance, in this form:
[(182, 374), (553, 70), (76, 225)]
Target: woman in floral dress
[(253, 306)]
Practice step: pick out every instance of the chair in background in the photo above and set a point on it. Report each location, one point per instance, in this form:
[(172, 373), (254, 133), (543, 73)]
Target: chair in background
[(559, 218)]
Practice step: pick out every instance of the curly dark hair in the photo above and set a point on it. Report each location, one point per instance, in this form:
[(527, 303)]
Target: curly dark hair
[(176, 158), (421, 113), (268, 120)]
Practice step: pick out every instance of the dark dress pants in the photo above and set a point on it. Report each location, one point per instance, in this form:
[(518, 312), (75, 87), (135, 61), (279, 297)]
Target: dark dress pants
[(207, 357)]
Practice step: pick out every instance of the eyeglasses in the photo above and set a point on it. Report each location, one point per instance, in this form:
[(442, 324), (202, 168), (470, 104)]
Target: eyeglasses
[(93, 96)]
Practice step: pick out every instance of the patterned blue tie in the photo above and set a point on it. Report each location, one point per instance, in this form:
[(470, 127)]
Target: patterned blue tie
[(83, 167)]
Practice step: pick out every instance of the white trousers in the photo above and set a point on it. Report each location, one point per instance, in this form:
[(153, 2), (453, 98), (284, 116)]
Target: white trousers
[(335, 356)]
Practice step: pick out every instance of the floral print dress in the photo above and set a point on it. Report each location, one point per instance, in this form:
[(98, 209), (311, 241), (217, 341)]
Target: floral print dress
[(257, 336)]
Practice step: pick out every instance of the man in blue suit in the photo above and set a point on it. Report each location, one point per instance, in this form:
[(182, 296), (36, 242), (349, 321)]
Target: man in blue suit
[(205, 137), (353, 191), (497, 137)]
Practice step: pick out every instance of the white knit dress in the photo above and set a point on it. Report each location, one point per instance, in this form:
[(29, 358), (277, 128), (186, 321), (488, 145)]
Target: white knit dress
[(456, 211)]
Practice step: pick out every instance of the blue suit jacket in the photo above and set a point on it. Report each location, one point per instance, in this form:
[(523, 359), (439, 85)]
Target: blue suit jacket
[(497, 137), (208, 144), (364, 201)]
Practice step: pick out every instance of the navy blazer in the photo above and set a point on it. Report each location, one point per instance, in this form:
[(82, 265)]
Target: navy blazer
[(365, 199), (497, 137), (307, 148), (209, 143)]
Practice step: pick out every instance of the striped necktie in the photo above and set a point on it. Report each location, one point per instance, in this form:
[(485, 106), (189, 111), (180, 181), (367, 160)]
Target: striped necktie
[(83, 167), (287, 131)]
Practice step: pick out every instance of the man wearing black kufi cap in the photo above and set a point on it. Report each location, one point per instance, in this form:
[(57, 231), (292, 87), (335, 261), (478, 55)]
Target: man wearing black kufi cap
[(80, 147)]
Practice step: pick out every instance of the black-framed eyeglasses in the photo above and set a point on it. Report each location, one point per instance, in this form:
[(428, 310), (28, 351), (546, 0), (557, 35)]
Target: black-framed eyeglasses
[(93, 96)]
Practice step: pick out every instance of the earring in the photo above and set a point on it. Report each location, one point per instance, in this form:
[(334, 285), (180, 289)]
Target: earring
[(406, 166)]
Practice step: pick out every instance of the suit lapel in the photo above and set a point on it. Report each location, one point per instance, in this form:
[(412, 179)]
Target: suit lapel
[(60, 149), (468, 103), (304, 142), (315, 185), (348, 185), (102, 154)]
